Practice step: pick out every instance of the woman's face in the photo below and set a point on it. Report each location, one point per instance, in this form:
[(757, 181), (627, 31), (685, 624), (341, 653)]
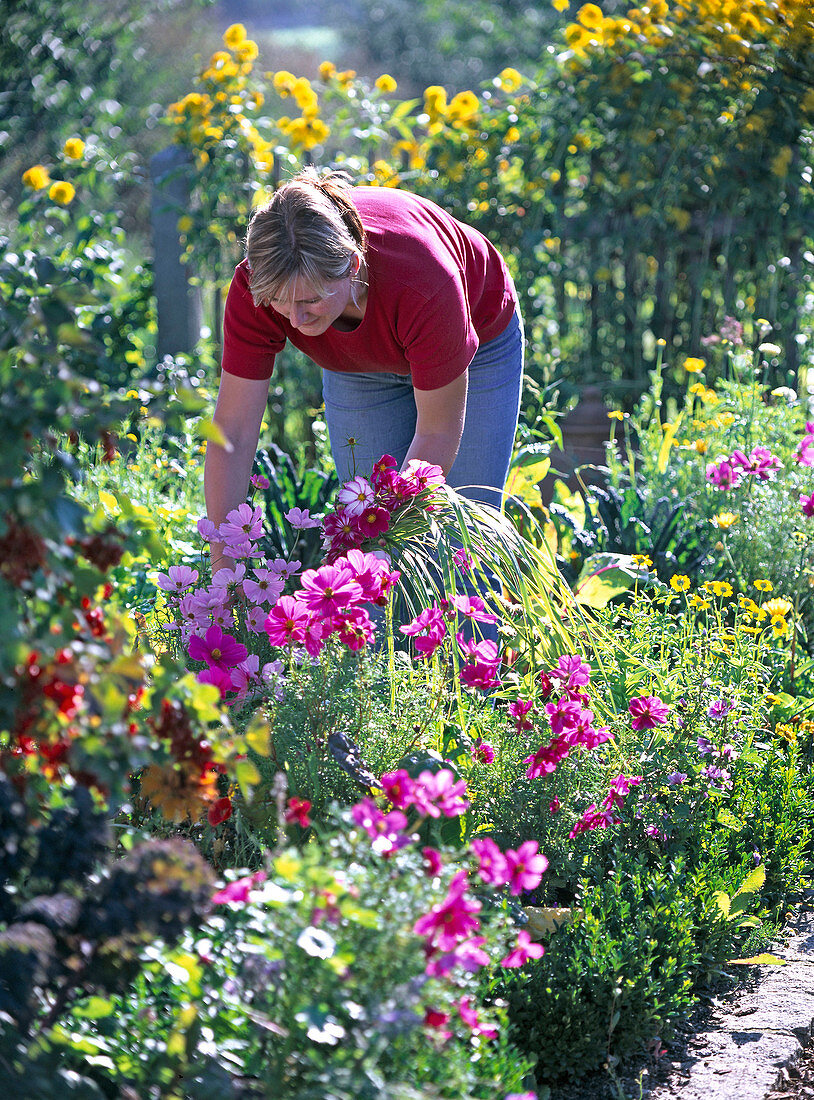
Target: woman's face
[(312, 313)]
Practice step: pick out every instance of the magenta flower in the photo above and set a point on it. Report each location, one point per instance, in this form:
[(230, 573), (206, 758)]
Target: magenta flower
[(423, 475), (622, 785), (355, 628), (374, 521), (239, 890), (301, 519), (386, 831), (526, 949), (297, 812), (383, 470), (759, 463), (468, 955), (432, 862), (452, 919), (526, 867), (563, 715), (428, 630), (482, 660), (719, 709), (675, 779), (462, 560), (217, 649), (257, 481), (179, 577), (471, 607), (806, 504), (470, 1017), (221, 679), (545, 760), (647, 712), (518, 710), (437, 794), (804, 455), (724, 475), (572, 672), (483, 753), (554, 805), (329, 589), (492, 864), (594, 819), (287, 622)]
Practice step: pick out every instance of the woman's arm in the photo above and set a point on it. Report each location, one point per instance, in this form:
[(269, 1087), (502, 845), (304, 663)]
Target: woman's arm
[(239, 414), (439, 424)]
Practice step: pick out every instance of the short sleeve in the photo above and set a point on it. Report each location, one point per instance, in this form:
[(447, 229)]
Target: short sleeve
[(251, 336), (438, 336)]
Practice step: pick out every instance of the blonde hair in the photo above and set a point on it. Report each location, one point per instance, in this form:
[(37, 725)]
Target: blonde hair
[(309, 230)]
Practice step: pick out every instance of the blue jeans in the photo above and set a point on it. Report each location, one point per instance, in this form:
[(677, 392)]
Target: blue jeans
[(378, 411)]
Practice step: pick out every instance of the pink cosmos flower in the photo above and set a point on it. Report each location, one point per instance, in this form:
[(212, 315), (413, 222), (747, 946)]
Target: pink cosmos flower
[(468, 955), (257, 481), (483, 753), (217, 649), (452, 919), (207, 529), (563, 715), (526, 867), (804, 455), (354, 627), (526, 949), (437, 794), (462, 560), (619, 787), (493, 866), (594, 819), (221, 679), (470, 1017), (724, 475), (386, 831), (428, 630), (571, 672), (471, 607), (554, 805), (329, 589), (518, 710), (398, 786), (301, 519), (374, 521), (423, 475), (545, 760), (242, 524), (759, 463), (807, 505), (256, 619), (647, 712), (482, 661), (287, 622), (239, 890), (285, 570), (264, 587), (432, 862), (383, 468), (356, 495), (179, 577)]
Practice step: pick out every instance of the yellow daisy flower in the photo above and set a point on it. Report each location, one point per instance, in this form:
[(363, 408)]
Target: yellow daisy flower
[(73, 148), (724, 520), (61, 192), (763, 585), (36, 177), (679, 583), (692, 365)]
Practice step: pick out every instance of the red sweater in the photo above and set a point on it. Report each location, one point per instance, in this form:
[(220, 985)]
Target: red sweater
[(437, 290)]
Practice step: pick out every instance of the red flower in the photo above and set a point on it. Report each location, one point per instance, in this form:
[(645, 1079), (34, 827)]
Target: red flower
[(298, 812), (219, 812)]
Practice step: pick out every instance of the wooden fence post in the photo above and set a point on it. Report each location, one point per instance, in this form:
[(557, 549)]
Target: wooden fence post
[(178, 301)]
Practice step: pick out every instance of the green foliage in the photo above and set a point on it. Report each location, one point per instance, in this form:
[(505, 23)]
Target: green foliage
[(293, 485), (614, 977)]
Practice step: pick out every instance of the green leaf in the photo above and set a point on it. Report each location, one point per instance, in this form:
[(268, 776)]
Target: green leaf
[(95, 1008), (759, 960), (603, 577), (727, 818), (258, 735), (212, 432), (723, 901), (753, 882), (247, 777)]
